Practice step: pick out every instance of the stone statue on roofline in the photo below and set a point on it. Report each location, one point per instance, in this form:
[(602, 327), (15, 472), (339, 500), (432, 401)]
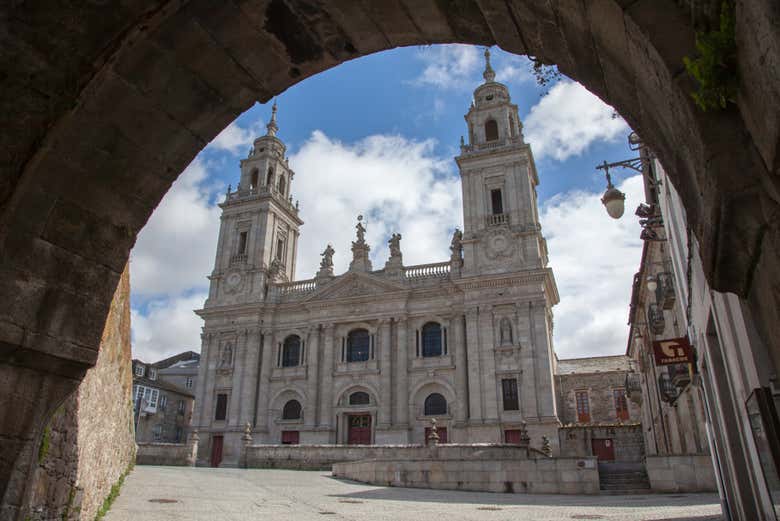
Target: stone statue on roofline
[(456, 245), (395, 245), (327, 258), (361, 231)]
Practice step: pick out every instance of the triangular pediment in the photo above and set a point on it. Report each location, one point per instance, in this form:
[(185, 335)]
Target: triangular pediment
[(355, 284)]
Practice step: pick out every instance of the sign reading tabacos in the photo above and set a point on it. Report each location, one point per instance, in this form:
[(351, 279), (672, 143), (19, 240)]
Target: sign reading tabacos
[(673, 351)]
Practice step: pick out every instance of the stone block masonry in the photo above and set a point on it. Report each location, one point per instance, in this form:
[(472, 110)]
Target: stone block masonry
[(89, 442)]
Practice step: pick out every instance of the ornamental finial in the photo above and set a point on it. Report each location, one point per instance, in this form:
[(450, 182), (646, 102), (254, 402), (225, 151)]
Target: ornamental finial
[(272, 126), (489, 73)]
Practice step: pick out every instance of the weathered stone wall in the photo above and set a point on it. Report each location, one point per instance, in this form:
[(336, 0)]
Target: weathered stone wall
[(323, 457), (688, 473), (89, 442), (600, 388), (627, 439), (530, 476), (173, 454)]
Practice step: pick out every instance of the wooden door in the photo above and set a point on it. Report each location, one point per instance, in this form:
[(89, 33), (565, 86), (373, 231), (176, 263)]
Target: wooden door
[(216, 450), (603, 449), (441, 431), (359, 432), (290, 437), (513, 436)]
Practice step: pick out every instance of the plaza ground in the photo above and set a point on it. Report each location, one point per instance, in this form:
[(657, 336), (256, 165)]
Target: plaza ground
[(205, 494)]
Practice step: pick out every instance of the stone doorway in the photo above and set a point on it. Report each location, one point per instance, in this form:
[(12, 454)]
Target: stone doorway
[(216, 450), (603, 449), (359, 429)]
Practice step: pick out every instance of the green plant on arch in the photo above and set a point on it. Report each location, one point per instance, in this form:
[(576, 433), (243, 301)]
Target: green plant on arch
[(715, 67)]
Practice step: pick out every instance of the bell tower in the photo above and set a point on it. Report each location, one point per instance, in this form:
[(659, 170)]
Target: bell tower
[(498, 177), (259, 228)]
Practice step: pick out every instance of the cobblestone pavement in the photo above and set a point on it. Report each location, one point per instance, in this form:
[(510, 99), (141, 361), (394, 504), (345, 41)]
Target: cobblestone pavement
[(202, 494)]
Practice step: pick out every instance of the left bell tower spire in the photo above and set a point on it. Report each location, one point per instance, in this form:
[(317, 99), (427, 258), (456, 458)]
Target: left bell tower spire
[(258, 236)]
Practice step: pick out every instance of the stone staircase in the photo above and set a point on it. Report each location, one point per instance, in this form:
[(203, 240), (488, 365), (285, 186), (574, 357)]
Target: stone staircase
[(623, 478)]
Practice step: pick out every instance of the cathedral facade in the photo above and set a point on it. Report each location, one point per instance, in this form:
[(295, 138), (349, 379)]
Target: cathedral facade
[(370, 356)]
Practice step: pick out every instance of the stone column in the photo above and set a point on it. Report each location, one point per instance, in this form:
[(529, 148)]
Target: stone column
[(238, 365), (401, 374), (457, 336), (385, 375), (265, 381), (530, 382), (249, 376), (203, 374), (311, 408), (474, 362), (488, 365), (208, 367), (326, 391)]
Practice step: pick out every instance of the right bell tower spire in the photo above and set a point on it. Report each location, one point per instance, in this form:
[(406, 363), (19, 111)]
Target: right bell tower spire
[(500, 215)]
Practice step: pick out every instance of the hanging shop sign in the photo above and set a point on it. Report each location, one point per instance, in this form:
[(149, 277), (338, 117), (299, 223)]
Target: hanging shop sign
[(673, 351)]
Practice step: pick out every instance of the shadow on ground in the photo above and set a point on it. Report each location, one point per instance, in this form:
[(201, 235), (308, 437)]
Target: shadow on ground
[(457, 496)]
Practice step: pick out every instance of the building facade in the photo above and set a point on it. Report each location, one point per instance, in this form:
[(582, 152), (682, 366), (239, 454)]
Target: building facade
[(163, 408), (732, 369), (597, 416), (371, 355)]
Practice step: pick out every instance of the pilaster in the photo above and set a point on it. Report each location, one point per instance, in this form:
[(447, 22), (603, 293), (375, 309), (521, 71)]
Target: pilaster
[(385, 375), (263, 398), (312, 377), (239, 366), (474, 365), (457, 326), (203, 374), (402, 373), (326, 395), (250, 376)]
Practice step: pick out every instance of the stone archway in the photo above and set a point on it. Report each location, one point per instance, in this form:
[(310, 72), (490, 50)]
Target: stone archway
[(104, 106)]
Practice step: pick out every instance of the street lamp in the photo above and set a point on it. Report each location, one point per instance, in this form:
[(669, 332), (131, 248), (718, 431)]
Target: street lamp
[(613, 199)]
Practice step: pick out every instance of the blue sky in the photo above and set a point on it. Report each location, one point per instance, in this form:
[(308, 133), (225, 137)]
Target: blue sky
[(377, 136)]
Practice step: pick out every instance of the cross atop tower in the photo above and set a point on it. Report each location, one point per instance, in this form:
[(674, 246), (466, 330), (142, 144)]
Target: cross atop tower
[(489, 74)]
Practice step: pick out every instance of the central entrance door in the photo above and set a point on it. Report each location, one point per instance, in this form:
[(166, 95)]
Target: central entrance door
[(603, 449), (216, 450), (359, 432)]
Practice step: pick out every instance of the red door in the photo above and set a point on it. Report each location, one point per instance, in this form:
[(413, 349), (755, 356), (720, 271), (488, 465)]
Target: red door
[(603, 449), (290, 437), (216, 450), (441, 431), (359, 432), (513, 436)]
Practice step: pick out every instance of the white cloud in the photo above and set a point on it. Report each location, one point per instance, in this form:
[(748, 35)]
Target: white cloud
[(568, 120), (449, 66), (236, 139), (396, 183), (175, 250), (514, 69), (168, 327), (594, 259)]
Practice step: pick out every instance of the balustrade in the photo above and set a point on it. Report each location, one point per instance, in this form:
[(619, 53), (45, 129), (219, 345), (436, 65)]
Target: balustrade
[(423, 271), (497, 219)]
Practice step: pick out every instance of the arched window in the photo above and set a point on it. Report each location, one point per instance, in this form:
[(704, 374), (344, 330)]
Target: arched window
[(435, 405), (491, 130), (292, 410), (291, 351), (359, 398), (431, 340), (281, 184), (358, 341), (269, 178), (253, 179)]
